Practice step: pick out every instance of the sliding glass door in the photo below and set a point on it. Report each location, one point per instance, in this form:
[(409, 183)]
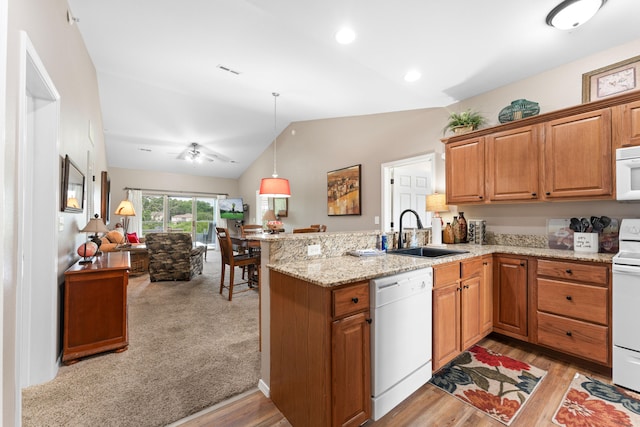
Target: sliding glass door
[(183, 214)]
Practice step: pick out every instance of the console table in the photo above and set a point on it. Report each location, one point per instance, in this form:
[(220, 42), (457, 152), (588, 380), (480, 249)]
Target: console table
[(95, 307)]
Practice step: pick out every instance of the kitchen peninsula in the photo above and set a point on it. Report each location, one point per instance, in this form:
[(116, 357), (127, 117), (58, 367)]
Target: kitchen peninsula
[(333, 275)]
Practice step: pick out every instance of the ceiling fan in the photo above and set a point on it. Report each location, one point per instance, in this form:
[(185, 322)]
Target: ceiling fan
[(197, 153)]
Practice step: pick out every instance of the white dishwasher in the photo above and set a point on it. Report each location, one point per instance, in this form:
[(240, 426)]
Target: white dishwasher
[(400, 337)]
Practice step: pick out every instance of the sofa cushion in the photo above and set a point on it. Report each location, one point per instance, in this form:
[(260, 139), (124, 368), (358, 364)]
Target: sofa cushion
[(115, 236)]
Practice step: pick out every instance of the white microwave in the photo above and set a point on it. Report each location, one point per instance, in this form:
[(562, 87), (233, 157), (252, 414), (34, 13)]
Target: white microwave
[(628, 173)]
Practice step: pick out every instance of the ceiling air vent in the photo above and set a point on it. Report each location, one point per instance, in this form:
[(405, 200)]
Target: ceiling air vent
[(227, 69)]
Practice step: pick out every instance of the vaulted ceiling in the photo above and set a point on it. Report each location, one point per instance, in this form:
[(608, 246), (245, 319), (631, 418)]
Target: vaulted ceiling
[(174, 72)]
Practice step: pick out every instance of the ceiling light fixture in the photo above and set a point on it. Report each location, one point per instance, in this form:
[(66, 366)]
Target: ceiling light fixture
[(274, 186), (345, 36), (193, 155), (412, 76), (573, 13)]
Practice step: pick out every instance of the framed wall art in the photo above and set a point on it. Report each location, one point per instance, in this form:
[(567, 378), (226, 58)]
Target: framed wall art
[(280, 206), (72, 187), (105, 196), (343, 191), (611, 80)]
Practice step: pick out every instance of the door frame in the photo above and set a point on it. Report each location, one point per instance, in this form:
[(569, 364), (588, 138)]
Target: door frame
[(387, 196), (37, 297)]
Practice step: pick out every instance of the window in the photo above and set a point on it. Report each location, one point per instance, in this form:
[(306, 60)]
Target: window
[(186, 214)]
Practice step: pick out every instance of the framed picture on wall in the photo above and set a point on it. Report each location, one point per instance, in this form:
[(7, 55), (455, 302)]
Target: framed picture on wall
[(343, 191), (72, 187), (611, 80), (280, 206), (105, 196)]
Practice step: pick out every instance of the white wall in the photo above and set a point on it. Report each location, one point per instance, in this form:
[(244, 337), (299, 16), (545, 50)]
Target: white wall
[(320, 146), (67, 62)]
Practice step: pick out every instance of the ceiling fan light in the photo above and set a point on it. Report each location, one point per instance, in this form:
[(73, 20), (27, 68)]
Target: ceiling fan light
[(573, 13)]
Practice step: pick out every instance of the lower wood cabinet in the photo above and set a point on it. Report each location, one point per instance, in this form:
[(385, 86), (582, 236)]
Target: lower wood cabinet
[(510, 298), (320, 352), (573, 313), (459, 308), (95, 307)]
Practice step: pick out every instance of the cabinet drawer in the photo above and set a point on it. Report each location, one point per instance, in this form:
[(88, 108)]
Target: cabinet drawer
[(351, 299), (470, 268), (581, 339), (445, 274), (597, 274), (574, 300)]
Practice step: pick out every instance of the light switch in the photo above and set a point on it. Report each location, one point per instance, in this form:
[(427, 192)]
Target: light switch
[(60, 223), (376, 220)]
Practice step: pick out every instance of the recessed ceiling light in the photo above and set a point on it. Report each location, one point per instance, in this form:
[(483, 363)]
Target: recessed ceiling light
[(345, 36), (573, 13), (412, 76)]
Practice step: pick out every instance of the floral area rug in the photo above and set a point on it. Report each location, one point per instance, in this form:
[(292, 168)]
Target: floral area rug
[(495, 384), (591, 403)]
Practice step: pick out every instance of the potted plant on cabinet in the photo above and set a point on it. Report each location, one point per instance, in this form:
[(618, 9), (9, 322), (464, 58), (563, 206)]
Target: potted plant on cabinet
[(464, 122)]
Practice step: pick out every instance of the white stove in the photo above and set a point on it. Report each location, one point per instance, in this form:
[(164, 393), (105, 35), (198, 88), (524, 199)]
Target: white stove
[(626, 303)]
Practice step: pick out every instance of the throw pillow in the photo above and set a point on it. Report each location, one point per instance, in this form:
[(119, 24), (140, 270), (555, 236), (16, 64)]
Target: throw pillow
[(115, 236), (133, 237)]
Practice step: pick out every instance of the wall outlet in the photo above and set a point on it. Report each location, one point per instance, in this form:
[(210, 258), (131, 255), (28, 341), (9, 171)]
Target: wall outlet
[(376, 220), (313, 250)]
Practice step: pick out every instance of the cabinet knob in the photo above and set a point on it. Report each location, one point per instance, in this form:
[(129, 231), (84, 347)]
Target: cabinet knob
[(568, 271), (354, 300), (522, 264), (458, 289), (569, 297), (480, 197), (547, 193), (534, 194), (466, 286), (369, 321), (568, 333)]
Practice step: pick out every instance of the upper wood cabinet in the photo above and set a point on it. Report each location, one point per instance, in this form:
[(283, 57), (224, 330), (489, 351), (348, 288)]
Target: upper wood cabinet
[(566, 154), (577, 156), (465, 171), (626, 119), (512, 163)]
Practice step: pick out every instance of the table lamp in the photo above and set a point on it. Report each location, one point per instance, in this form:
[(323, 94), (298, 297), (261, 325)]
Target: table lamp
[(272, 221), (436, 203), (125, 209), (95, 226)]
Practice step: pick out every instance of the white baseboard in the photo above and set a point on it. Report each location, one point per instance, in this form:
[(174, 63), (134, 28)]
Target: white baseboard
[(264, 388)]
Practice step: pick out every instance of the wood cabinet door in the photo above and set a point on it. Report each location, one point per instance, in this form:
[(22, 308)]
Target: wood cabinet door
[(628, 132), (470, 312), (465, 171), (486, 296), (446, 324), (577, 156), (512, 164), (351, 370), (510, 296)]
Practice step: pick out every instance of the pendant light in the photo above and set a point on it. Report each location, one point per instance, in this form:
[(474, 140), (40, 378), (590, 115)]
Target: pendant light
[(274, 186)]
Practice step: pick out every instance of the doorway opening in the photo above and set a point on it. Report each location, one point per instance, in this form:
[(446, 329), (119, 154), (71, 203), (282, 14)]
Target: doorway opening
[(405, 185)]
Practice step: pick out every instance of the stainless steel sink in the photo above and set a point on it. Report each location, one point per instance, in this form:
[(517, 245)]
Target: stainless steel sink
[(427, 252)]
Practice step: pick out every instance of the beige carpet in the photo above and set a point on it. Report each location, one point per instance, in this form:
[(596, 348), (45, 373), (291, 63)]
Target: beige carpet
[(189, 348)]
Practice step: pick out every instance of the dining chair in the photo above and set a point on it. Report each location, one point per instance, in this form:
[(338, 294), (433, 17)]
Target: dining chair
[(305, 230), (249, 260)]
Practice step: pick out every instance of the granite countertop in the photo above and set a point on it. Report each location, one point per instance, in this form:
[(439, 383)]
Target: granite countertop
[(341, 270)]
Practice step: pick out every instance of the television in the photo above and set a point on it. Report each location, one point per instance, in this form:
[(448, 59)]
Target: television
[(231, 208)]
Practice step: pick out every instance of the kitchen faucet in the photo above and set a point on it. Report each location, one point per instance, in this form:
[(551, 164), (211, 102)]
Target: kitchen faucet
[(400, 230)]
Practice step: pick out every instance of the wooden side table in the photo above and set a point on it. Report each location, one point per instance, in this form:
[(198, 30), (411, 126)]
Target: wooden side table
[(95, 307)]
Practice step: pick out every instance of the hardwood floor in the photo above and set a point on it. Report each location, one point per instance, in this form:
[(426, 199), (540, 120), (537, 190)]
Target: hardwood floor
[(430, 406)]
